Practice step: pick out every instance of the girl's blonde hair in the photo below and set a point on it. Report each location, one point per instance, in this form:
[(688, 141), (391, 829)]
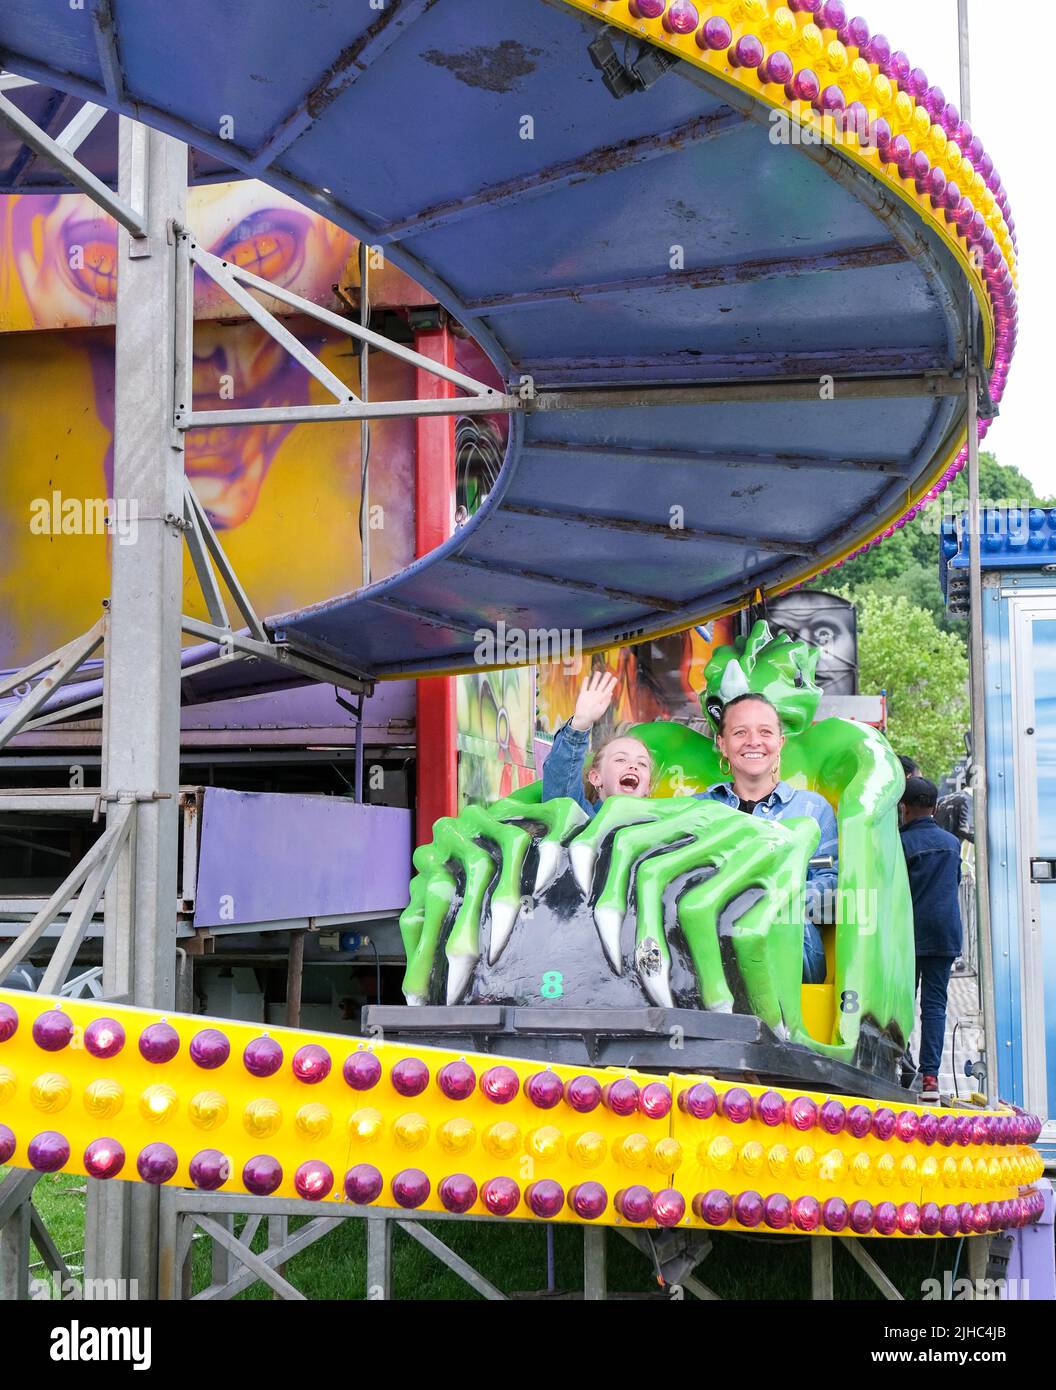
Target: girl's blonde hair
[(590, 791)]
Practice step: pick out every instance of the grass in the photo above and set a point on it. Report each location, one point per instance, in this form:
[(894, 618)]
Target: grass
[(513, 1257)]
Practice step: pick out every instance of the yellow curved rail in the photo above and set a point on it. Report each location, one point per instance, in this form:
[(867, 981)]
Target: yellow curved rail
[(188, 1101)]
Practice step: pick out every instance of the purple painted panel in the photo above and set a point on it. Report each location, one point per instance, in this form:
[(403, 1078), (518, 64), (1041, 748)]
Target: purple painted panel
[(311, 712), (266, 856)]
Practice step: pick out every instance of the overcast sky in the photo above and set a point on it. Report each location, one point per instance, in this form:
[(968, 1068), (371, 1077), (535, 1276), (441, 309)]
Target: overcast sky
[(1011, 118)]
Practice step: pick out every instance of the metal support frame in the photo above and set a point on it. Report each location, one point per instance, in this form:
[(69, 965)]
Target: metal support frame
[(60, 665), (61, 152)]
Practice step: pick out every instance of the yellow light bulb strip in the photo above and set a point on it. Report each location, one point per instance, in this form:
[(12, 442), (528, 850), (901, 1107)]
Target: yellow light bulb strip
[(111, 1091)]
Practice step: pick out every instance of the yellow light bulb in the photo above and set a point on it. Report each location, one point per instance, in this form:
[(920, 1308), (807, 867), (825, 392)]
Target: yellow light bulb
[(860, 76), (262, 1117), (811, 40), (411, 1131), (458, 1135), (778, 1160), (50, 1092), (885, 1170), (949, 1171), (938, 142), (832, 1167), (752, 1157), (902, 111), (953, 156), (836, 59), (780, 28), (313, 1120), (103, 1098), (365, 1126), (748, 11), (545, 1143), (722, 1153), (666, 1156), (861, 1168), (8, 1084), (587, 1149), (967, 1171), (803, 1161), (907, 1171), (633, 1151), (502, 1139), (929, 1170), (207, 1110), (158, 1102), (883, 91), (921, 124), (993, 1172)]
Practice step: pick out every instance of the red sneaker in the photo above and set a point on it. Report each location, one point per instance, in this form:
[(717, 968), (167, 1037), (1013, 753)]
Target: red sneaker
[(929, 1086)]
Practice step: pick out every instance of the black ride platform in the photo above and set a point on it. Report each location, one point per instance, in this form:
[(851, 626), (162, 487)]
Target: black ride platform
[(727, 1046)]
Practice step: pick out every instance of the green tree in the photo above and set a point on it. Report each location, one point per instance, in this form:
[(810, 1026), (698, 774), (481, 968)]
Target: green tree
[(924, 671), (906, 565)]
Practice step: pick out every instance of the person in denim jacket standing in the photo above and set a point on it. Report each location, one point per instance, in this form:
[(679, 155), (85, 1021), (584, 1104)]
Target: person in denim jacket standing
[(933, 858)]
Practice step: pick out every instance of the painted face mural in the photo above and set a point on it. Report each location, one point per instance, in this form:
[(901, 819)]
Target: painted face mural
[(266, 488)]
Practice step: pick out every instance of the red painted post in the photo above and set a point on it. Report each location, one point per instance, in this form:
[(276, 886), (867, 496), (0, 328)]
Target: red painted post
[(434, 516)]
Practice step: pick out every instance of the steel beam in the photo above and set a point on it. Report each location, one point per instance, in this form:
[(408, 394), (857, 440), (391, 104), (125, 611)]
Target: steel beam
[(604, 159), (851, 388), (706, 277), (141, 709), (349, 64), (38, 140), (106, 48), (656, 528), (726, 458)]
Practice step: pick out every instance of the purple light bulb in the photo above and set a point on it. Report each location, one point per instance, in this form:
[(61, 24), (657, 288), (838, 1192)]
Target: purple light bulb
[(715, 34), (409, 1077), (832, 1117), (885, 1218), (655, 1100), (909, 1218), (621, 1097), (457, 1080), (52, 1030), (313, 1180), (737, 1105), (669, 1207), (157, 1163), (714, 1207), (501, 1196), (777, 68), (748, 1208), (104, 1158), (262, 1057), (159, 1043), (545, 1197), (777, 1211), (861, 1217), (262, 1175), (700, 1101), (104, 1037), (930, 1216), (859, 1121), (8, 1022), (363, 1184), (209, 1049), (410, 1187), (500, 1085), (7, 1143), (634, 1203), (804, 86), (907, 1126), (883, 1123), (361, 1071), (588, 1200), (311, 1064), (48, 1152), (583, 1094), (802, 1113), (747, 52), (681, 17), (806, 1213), (209, 1169), (835, 1214), (770, 1108), (457, 1193), (544, 1089)]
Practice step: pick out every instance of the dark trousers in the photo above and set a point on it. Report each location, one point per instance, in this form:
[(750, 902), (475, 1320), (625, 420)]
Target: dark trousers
[(933, 979)]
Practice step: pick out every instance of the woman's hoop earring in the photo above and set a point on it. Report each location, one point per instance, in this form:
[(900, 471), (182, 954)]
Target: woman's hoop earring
[(727, 769), (775, 771)]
